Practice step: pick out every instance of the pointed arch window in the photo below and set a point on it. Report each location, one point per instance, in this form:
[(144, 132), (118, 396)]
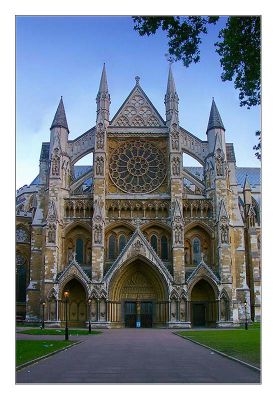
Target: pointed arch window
[(121, 243), (80, 251), (154, 242), (112, 247), (196, 248), (164, 248)]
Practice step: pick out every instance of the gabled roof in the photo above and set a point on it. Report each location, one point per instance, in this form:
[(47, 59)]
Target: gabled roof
[(137, 110)]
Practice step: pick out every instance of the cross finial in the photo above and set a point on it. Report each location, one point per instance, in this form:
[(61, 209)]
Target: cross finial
[(74, 255), (137, 78), (202, 257)]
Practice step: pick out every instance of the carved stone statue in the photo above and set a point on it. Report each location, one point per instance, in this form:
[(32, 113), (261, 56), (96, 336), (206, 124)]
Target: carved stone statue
[(176, 166), (56, 165), (100, 136), (99, 166), (219, 162), (52, 233), (175, 138), (224, 233), (178, 234), (98, 235)]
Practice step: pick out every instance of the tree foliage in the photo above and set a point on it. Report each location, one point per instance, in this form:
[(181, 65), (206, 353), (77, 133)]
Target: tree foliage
[(258, 147), (239, 47)]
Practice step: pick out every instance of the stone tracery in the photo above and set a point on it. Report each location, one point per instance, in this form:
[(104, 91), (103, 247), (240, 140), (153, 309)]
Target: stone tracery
[(137, 167)]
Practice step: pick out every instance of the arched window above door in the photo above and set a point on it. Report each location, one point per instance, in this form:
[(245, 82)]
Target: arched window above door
[(154, 242), (164, 248), (80, 251), (112, 247), (121, 243), (196, 251)]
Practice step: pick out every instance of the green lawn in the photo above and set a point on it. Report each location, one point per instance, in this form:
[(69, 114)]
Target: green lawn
[(238, 343), (75, 332), (27, 350)]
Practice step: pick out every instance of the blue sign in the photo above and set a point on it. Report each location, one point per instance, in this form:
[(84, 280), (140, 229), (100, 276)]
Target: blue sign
[(138, 324)]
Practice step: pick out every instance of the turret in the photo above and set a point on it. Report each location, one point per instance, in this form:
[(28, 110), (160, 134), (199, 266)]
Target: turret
[(215, 127), (171, 100), (103, 99), (59, 130)]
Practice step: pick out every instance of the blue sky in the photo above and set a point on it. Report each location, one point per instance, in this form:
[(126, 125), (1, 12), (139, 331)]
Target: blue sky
[(64, 56)]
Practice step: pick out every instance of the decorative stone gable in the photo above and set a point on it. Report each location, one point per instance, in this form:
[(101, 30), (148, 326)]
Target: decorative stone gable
[(137, 111), (73, 271), (138, 246), (202, 271)]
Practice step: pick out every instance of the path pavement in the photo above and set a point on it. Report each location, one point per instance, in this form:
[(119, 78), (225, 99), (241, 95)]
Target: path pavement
[(137, 356)]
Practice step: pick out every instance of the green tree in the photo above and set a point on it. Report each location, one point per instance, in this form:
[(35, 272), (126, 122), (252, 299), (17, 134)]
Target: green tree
[(258, 147), (238, 47)]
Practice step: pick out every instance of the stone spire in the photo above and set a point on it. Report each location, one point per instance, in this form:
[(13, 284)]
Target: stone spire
[(59, 120), (247, 191), (215, 120), (103, 87), (103, 97), (171, 98)]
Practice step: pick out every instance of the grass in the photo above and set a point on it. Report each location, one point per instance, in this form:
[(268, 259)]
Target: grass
[(238, 343), (28, 350), (72, 332)]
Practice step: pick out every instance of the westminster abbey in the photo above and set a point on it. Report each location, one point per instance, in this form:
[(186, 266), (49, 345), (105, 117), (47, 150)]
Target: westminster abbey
[(137, 238)]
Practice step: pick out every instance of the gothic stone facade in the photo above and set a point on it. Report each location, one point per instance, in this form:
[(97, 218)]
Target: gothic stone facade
[(137, 238)]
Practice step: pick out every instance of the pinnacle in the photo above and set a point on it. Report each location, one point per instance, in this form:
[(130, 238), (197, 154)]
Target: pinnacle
[(171, 89), (60, 117), (215, 120), (246, 185), (103, 87)]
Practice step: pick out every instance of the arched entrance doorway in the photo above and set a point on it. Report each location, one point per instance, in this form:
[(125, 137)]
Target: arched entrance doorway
[(138, 297), (77, 304), (203, 304)]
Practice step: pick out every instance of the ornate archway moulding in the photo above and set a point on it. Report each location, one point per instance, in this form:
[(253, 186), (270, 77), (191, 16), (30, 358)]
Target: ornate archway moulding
[(139, 247), (72, 271), (202, 271)]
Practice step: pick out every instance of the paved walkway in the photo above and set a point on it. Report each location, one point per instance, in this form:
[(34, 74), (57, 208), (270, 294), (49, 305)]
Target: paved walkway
[(137, 356)]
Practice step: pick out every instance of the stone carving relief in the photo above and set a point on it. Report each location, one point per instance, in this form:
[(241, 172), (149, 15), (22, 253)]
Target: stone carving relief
[(138, 112), (137, 245), (137, 287)]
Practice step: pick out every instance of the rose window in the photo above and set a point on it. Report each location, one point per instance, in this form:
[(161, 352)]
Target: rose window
[(137, 167)]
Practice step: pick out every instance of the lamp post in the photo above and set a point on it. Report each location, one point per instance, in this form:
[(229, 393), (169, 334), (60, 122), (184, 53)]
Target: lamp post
[(245, 309), (43, 309), (89, 315), (66, 295)]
